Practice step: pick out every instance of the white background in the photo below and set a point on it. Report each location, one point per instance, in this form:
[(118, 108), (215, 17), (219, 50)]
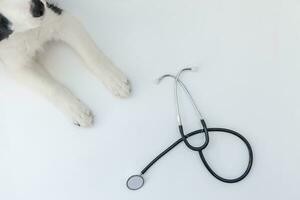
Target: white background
[(248, 54)]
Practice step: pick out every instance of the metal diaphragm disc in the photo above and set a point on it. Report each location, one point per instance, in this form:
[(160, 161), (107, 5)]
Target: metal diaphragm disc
[(135, 182)]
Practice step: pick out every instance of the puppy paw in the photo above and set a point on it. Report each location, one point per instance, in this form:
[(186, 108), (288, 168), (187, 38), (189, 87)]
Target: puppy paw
[(81, 115), (117, 83)]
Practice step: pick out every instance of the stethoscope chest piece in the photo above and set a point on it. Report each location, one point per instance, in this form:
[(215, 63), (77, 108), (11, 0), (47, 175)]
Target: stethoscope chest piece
[(135, 182)]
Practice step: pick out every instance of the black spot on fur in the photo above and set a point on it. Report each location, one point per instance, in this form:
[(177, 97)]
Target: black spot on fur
[(5, 30), (55, 8), (37, 8)]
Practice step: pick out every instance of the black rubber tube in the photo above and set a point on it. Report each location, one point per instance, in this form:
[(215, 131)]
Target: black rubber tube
[(223, 130), (186, 142)]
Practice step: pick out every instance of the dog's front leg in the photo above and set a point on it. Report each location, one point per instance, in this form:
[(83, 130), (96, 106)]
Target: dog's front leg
[(38, 79), (73, 33)]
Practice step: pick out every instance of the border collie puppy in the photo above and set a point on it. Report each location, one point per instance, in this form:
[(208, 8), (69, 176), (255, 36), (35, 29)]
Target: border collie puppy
[(25, 26)]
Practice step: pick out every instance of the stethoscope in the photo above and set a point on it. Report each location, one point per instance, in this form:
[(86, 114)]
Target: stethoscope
[(136, 182)]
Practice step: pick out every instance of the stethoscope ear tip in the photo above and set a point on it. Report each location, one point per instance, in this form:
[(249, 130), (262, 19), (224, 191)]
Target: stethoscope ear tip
[(157, 81), (194, 69)]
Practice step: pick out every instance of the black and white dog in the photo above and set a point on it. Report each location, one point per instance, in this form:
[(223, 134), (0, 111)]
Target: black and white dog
[(25, 26)]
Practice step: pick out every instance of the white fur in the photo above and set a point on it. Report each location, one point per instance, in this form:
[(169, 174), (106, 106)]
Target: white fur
[(18, 53)]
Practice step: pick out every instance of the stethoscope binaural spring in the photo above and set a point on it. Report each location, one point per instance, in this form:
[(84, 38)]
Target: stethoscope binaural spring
[(136, 182)]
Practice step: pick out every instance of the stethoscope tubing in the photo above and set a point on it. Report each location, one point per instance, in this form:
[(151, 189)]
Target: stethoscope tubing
[(185, 140), (201, 154), (205, 130)]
